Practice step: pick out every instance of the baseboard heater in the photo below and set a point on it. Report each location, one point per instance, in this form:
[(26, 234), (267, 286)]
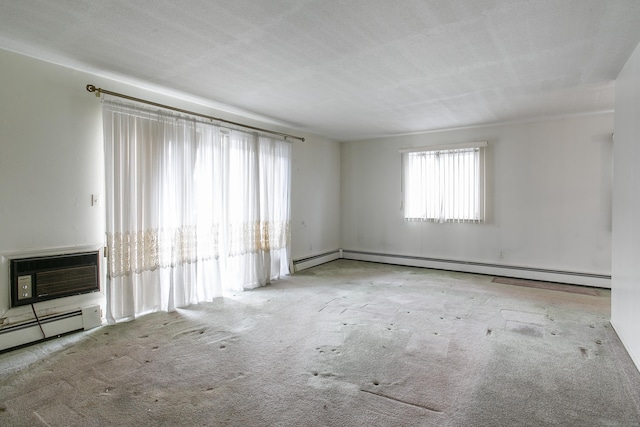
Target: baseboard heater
[(315, 260), (532, 273), (37, 330), (48, 277)]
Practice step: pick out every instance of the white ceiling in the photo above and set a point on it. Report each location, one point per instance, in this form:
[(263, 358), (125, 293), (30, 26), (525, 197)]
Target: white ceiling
[(347, 69)]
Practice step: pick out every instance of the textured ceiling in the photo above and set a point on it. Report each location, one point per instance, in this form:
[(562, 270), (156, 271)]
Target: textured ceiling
[(347, 69)]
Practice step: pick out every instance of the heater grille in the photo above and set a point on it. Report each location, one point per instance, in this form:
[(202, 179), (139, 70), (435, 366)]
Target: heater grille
[(45, 278), (58, 282)]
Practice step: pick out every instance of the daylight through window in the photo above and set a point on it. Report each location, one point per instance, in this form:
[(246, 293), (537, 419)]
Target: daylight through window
[(444, 184)]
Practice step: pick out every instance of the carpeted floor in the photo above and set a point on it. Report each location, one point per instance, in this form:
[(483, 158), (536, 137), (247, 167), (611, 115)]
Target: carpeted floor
[(343, 344)]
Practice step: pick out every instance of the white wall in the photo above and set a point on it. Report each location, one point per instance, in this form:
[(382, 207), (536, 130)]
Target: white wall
[(51, 162), (625, 292), (548, 199), (315, 227), (50, 165)]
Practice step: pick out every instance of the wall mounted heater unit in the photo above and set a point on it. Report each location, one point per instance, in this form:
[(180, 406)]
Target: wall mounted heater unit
[(48, 277)]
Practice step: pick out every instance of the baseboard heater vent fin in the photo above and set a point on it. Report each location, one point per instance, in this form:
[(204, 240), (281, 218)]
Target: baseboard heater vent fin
[(44, 321), (49, 277), (24, 334)]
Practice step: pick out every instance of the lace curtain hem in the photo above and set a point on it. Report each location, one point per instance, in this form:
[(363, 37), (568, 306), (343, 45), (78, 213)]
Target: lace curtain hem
[(148, 250)]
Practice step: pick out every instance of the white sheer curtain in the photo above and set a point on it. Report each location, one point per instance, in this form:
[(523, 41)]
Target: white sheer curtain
[(257, 208), (443, 185), (193, 210)]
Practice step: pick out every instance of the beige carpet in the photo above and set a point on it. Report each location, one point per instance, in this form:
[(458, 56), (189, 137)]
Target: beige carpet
[(344, 344)]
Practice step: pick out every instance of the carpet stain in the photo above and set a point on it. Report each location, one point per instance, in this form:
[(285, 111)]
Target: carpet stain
[(489, 332), (528, 329), (584, 352)]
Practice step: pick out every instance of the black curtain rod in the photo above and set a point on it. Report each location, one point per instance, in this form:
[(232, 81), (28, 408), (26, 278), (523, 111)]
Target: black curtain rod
[(92, 88)]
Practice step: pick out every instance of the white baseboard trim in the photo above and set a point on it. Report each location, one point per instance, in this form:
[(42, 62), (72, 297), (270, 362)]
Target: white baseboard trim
[(314, 260), (574, 278)]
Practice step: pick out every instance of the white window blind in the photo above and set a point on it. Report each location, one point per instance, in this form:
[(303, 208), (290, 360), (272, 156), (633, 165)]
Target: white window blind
[(444, 183)]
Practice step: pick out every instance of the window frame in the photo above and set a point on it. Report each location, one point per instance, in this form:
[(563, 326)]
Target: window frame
[(426, 214)]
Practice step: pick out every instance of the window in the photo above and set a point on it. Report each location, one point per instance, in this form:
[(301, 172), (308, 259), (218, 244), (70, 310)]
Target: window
[(193, 210), (444, 183)]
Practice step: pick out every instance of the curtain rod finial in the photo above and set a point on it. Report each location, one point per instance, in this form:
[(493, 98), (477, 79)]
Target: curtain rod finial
[(92, 88)]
